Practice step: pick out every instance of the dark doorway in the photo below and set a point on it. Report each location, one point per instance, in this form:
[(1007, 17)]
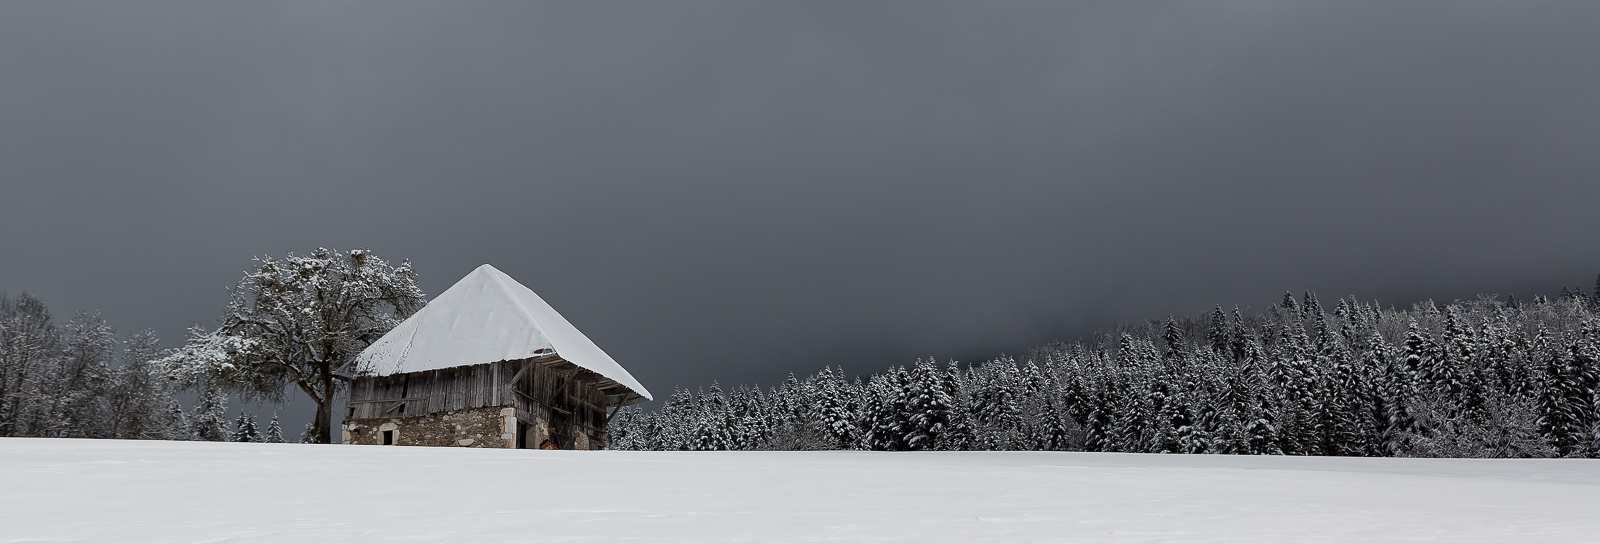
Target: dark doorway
[(522, 436), (388, 438)]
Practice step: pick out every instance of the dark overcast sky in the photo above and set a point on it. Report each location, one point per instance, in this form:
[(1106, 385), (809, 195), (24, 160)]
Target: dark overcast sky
[(739, 190)]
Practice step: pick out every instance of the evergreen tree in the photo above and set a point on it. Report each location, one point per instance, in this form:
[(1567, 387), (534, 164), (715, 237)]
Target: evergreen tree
[(1594, 297), (1567, 402), (1172, 338), (274, 431), (210, 420), (1310, 307), (885, 413), (836, 406), (678, 415), (245, 429), (177, 423), (928, 407), (1218, 333), (958, 436), (711, 431)]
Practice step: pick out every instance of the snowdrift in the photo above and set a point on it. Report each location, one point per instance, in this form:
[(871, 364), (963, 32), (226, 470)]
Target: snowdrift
[(145, 491)]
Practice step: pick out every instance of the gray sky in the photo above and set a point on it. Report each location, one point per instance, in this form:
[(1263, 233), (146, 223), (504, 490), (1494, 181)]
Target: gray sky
[(740, 190)]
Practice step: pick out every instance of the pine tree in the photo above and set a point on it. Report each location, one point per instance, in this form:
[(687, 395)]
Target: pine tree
[(1310, 307), (1567, 399), (1242, 335), (177, 423), (1594, 297), (210, 420), (884, 416), (836, 406), (1217, 334), (245, 429), (309, 434), (1172, 338), (712, 425), (959, 435), (1400, 390), (678, 416), (1290, 373), (274, 431), (928, 407)]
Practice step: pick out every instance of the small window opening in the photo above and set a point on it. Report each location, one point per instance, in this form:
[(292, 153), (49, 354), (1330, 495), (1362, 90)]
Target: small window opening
[(388, 438)]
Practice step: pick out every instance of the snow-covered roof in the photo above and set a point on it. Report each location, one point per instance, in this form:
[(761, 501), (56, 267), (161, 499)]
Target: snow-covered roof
[(484, 318)]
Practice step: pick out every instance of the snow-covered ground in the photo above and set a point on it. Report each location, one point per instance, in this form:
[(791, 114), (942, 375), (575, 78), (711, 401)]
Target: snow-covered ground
[(127, 491)]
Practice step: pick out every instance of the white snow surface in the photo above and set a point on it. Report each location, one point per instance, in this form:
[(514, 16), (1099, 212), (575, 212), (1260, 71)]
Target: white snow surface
[(147, 491), (484, 318)]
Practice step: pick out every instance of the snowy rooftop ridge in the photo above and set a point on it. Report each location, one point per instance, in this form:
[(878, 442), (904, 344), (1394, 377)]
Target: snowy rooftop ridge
[(484, 318)]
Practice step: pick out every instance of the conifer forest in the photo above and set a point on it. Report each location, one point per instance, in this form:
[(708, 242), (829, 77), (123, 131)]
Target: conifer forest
[(1481, 378)]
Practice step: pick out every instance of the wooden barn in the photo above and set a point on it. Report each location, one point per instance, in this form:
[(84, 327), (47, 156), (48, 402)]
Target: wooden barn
[(486, 364)]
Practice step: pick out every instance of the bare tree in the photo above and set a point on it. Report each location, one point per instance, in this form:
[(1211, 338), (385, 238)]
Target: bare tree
[(299, 321)]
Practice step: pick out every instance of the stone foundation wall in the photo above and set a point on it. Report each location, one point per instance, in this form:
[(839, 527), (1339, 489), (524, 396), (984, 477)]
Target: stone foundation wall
[(494, 427), (477, 428)]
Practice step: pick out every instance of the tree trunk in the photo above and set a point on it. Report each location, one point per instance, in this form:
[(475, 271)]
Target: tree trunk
[(325, 411)]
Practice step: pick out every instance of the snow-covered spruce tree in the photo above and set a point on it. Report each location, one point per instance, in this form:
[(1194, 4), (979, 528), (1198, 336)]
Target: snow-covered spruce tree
[(712, 425), (308, 435), (627, 430), (274, 432), (209, 422), (177, 424), (678, 418), (299, 321), (837, 403), (749, 418), (1567, 399), (880, 413), (928, 406), (245, 428), (958, 436)]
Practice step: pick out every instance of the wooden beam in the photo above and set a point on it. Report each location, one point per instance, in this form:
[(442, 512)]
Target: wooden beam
[(543, 403), (617, 410), (520, 371), (406, 399)]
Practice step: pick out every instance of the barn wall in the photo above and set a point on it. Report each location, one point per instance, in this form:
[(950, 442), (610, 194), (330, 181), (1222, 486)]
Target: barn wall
[(564, 404), (477, 428)]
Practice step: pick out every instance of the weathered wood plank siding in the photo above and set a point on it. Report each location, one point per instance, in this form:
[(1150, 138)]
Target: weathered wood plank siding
[(555, 391)]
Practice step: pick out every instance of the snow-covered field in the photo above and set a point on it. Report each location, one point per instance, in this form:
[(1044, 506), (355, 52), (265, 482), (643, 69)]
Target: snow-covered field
[(126, 491)]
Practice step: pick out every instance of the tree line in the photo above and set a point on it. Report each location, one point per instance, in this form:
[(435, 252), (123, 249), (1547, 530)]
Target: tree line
[(1481, 378), (81, 379)]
